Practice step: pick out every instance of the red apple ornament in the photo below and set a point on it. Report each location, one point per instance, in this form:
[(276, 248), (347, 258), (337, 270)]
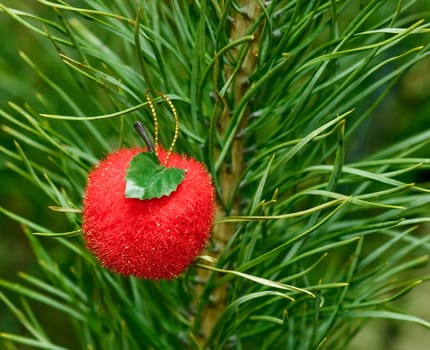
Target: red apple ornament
[(152, 238)]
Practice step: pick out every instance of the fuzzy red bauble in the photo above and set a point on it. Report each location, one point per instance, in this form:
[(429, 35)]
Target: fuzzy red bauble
[(152, 238)]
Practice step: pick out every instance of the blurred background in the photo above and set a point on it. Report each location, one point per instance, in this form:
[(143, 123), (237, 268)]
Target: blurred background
[(405, 111)]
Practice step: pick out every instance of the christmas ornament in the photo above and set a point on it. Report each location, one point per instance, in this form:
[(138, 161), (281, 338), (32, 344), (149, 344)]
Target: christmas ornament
[(148, 214)]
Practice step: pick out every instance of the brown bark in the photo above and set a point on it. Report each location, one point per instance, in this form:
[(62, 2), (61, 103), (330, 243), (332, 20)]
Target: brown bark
[(231, 171)]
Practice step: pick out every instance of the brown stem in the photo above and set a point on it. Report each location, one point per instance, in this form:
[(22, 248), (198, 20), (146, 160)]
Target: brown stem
[(231, 170), (141, 130)]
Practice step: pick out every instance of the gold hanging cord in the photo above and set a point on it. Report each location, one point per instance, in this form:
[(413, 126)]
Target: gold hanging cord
[(154, 116)]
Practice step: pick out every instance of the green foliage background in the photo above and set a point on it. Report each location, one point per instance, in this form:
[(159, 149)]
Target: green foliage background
[(328, 217)]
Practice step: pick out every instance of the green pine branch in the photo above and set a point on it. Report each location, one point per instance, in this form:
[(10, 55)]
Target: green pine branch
[(313, 235)]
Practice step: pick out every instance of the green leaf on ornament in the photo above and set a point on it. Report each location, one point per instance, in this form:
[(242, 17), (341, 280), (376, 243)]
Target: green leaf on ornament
[(146, 178)]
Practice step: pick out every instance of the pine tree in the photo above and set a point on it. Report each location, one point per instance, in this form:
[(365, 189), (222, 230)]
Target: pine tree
[(315, 232)]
